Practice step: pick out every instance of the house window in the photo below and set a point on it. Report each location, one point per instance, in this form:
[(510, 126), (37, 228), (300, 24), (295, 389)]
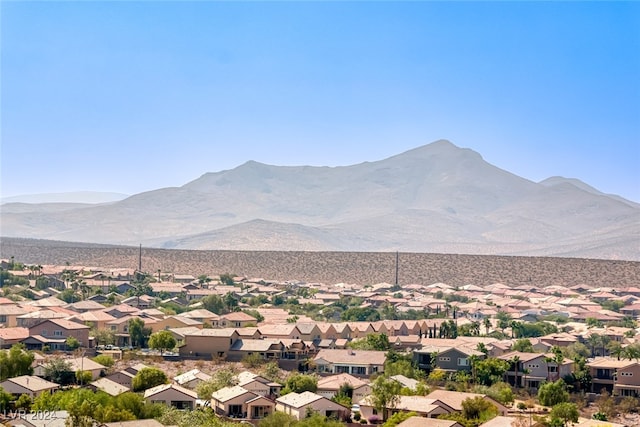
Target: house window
[(533, 366), (626, 374), (3, 318), (463, 361), (44, 333), (444, 359), (342, 369), (553, 368), (57, 333), (359, 370), (114, 328)]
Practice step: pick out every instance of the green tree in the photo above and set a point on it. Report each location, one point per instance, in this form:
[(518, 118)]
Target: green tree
[(375, 341), (360, 314), (490, 370), (299, 383), (15, 362), (227, 279), (477, 408), (59, 371), (501, 392), (72, 343), (138, 333), (271, 371), (398, 417), (147, 378), (104, 360), (278, 419), (213, 303), (504, 320), (104, 336), (83, 377), (523, 345), (552, 393), (24, 402), (565, 412), (5, 399), (385, 394), (162, 340), (220, 379)]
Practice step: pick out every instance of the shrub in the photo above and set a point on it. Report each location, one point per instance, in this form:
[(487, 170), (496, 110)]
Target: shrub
[(252, 361)]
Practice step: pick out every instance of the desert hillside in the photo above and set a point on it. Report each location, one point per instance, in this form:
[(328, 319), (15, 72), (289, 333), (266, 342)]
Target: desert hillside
[(336, 267), (438, 198)]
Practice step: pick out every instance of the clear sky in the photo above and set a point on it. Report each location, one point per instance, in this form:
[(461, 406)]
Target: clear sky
[(134, 96)]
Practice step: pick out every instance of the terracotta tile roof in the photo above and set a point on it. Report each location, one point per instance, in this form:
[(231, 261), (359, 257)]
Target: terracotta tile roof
[(13, 333)]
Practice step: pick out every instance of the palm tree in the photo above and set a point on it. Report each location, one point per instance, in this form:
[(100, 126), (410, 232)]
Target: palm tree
[(515, 360), (473, 359), (548, 360), (604, 340), (632, 351), (487, 325), (84, 289), (525, 372), (594, 341), (615, 349), (475, 328)]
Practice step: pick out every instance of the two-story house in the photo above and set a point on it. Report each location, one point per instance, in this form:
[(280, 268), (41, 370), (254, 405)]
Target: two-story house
[(529, 370), (57, 331), (449, 359), (604, 373), (208, 343), (627, 381)]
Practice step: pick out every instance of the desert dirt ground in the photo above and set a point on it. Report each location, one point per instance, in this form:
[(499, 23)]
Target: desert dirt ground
[(336, 267)]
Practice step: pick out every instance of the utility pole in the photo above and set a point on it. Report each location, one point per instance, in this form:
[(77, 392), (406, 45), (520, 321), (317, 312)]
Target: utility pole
[(397, 266)]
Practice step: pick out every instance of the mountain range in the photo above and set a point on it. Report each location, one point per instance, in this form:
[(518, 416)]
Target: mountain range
[(435, 198)]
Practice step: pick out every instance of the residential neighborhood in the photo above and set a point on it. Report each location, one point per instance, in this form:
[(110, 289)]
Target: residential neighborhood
[(98, 346)]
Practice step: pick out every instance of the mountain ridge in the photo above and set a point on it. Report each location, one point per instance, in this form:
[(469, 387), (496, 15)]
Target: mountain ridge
[(437, 197)]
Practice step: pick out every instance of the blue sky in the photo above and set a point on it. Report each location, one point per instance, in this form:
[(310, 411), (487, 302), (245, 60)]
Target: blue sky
[(134, 96)]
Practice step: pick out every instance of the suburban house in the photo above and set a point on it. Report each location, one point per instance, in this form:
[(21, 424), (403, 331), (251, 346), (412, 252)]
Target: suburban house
[(627, 381), (172, 395), (206, 343), (330, 386), (604, 373), (108, 386), (298, 405), (238, 402), (534, 368), (124, 378), (421, 422), (93, 319), (175, 322), (309, 332), (28, 384), (280, 331), (237, 319), (11, 336), (75, 364), (449, 359), (9, 314), (354, 362), (454, 399), (258, 385), (268, 349), (423, 406), (192, 378), (60, 329), (204, 316)]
